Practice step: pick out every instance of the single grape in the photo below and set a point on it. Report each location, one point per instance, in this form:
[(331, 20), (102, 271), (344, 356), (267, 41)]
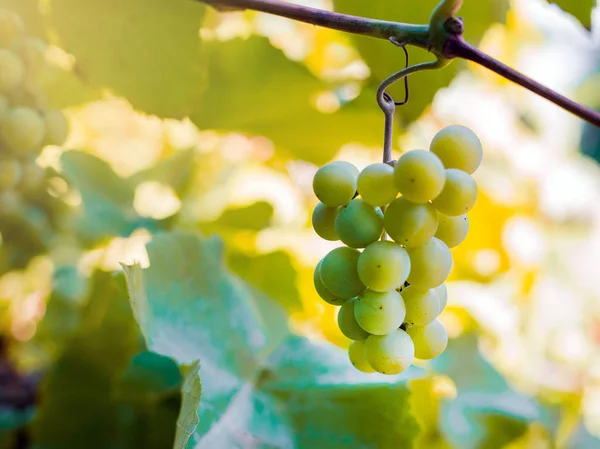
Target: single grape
[(442, 293), (357, 223), (358, 357), (458, 147), (335, 183), (391, 353), (57, 127), (410, 224), (10, 173), (339, 273), (383, 266), (452, 230), (11, 27), (430, 341), (376, 184), (419, 176), (327, 296), (380, 313), (430, 264), (348, 324), (11, 70), (422, 306), (22, 129), (323, 219), (458, 195)]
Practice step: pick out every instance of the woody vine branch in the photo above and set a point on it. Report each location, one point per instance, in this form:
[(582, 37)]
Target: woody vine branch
[(443, 37)]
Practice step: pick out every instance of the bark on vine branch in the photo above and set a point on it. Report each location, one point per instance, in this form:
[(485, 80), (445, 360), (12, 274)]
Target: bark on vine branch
[(443, 37)]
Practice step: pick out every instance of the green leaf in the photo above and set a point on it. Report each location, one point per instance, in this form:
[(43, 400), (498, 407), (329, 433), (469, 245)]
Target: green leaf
[(296, 396), (78, 388), (191, 393), (148, 51), (260, 270), (384, 59), (273, 98), (255, 217), (487, 412), (175, 171), (580, 9)]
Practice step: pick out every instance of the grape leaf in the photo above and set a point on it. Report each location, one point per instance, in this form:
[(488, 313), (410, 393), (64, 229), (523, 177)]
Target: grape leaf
[(148, 51), (256, 394), (254, 88), (580, 9), (383, 58)]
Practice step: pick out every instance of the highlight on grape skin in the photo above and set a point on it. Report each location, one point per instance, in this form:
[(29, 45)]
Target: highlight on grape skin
[(335, 183), (392, 292)]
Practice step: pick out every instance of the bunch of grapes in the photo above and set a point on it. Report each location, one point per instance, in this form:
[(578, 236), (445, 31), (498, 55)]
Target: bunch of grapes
[(27, 124), (391, 293)]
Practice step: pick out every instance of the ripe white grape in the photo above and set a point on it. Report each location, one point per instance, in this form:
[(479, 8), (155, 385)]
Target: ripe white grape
[(11, 70), (458, 195), (380, 313), (339, 273), (357, 223), (458, 147), (430, 264), (422, 306), (11, 27), (335, 183), (430, 341), (348, 324), (391, 353), (410, 224), (323, 219), (383, 266), (442, 293), (57, 127), (452, 230), (376, 184), (419, 176), (358, 357), (10, 173), (325, 294), (22, 129)]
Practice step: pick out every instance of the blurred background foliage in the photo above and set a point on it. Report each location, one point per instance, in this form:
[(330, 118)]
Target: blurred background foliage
[(194, 138)]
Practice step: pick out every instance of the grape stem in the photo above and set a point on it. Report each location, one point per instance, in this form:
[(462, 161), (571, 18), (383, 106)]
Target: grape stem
[(442, 37)]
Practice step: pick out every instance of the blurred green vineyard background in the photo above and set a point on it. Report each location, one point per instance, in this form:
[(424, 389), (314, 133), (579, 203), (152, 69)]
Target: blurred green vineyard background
[(194, 138)]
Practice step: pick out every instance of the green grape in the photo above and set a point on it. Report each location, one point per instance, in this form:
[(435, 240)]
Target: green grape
[(348, 324), (458, 195), (422, 306), (419, 176), (11, 27), (10, 173), (410, 224), (458, 147), (335, 183), (57, 127), (376, 184), (380, 313), (442, 293), (430, 264), (383, 266), (357, 223), (452, 230), (22, 129), (33, 53), (323, 219), (339, 273), (29, 95), (391, 353), (358, 357), (11, 70), (430, 341), (322, 291)]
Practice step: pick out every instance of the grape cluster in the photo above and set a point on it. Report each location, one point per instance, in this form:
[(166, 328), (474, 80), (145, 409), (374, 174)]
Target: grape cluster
[(27, 124), (392, 292)]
